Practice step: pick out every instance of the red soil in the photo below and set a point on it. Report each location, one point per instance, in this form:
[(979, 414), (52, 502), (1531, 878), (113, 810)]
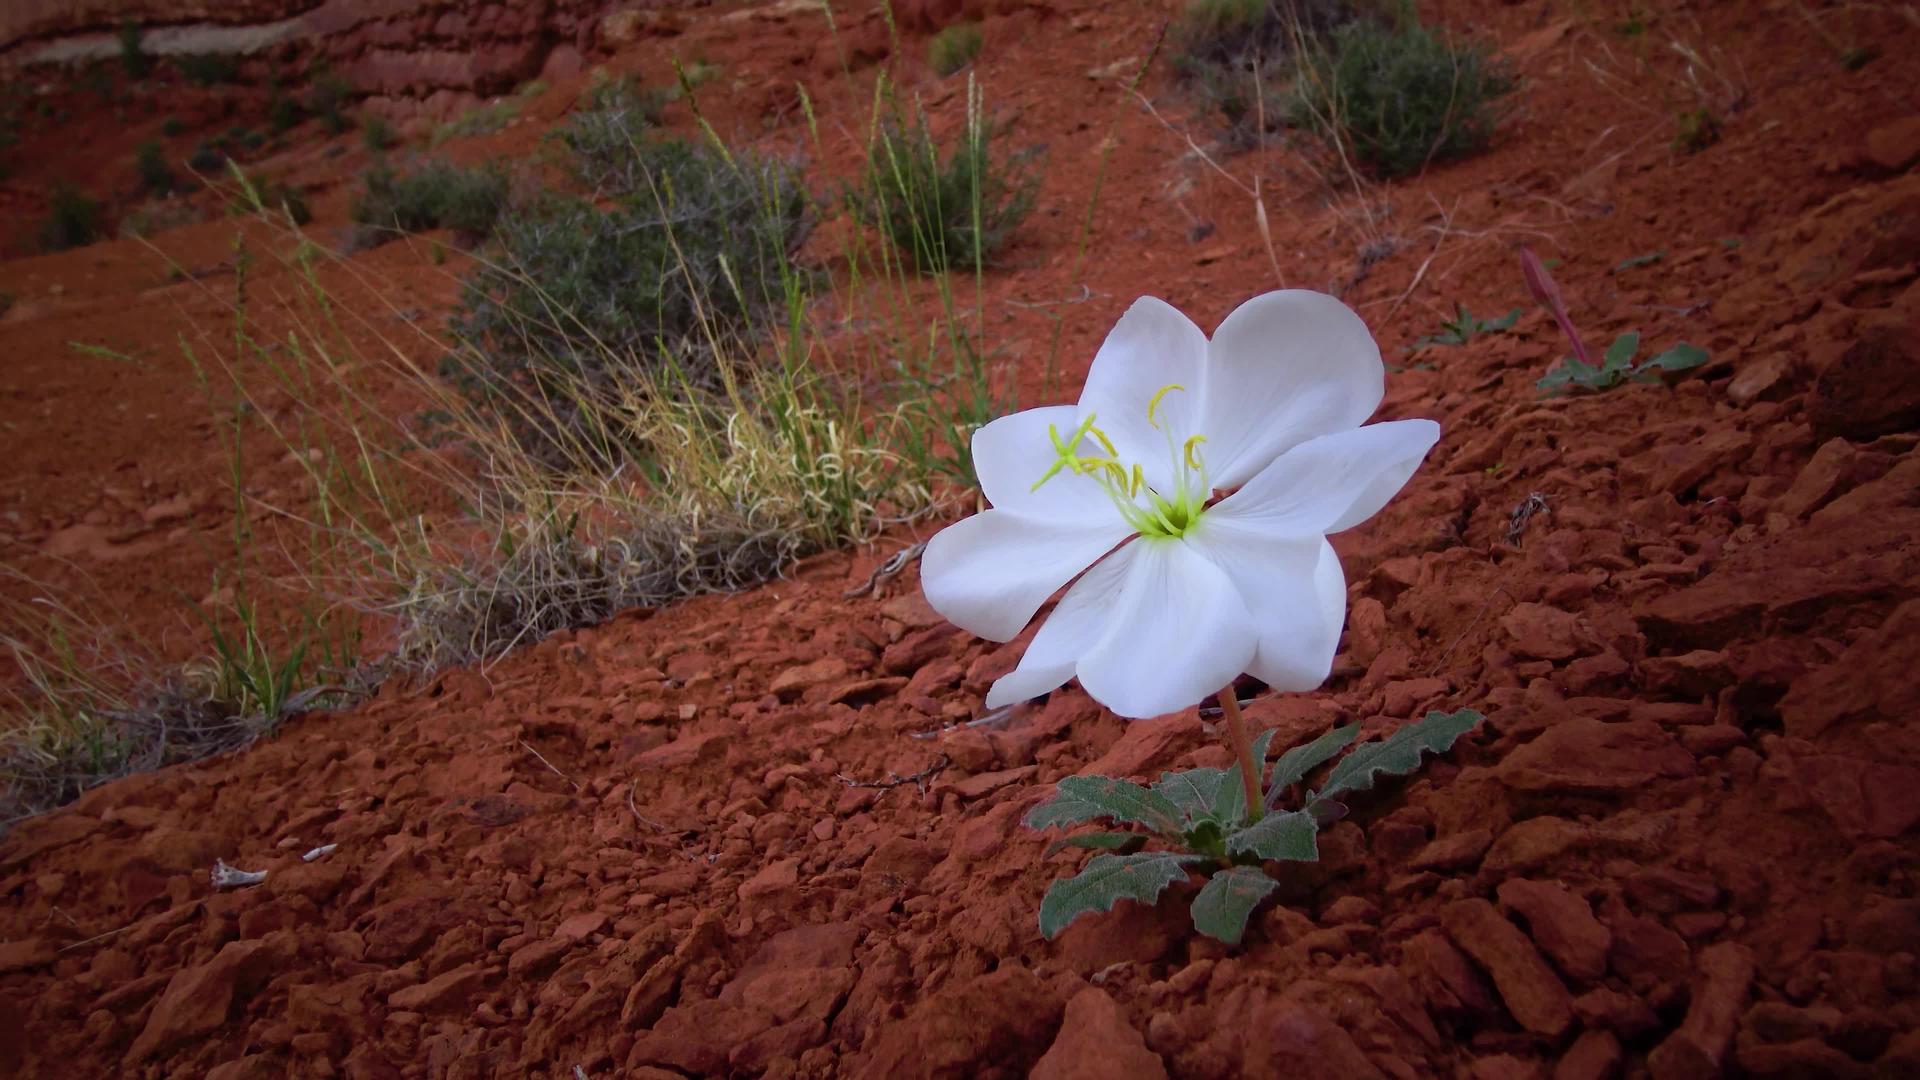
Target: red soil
[(1681, 846)]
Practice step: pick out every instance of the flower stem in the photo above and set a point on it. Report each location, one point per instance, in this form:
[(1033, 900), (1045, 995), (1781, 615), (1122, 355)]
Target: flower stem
[(1242, 749)]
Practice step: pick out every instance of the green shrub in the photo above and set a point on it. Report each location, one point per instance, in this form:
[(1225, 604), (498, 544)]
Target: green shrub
[(283, 112), (432, 194), (327, 99), (207, 69), (72, 221), (1235, 56), (953, 48), (581, 301), (377, 134), (944, 214), (133, 58), (605, 136), (1398, 97), (150, 162), (1695, 130)]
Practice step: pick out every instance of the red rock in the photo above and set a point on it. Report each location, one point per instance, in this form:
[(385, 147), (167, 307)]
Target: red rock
[(197, 999), (1595, 1055), (1820, 479), (1644, 950), (532, 960), (754, 1053), (900, 859), (774, 878), (685, 751), (1887, 927), (1765, 378), (1618, 1012), (1533, 994), (450, 991), (1871, 681), (1455, 851), (795, 681), (26, 953), (1873, 388), (1542, 633), (1800, 1058), (1562, 925), (983, 784), (1698, 1050), (1865, 798), (1311, 1046), (1096, 1042), (580, 927), (911, 653), (1590, 757), (1004, 1020), (1894, 146), (1148, 747)]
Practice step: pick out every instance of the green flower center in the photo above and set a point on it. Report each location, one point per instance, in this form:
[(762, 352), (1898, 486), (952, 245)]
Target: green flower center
[(1151, 512)]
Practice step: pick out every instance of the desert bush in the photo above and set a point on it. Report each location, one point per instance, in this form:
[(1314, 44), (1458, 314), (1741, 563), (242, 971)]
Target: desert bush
[(133, 56), (694, 261), (73, 220), (327, 99), (377, 135), (953, 48), (430, 194), (604, 137), (150, 163), (207, 69), (1398, 96), (1236, 56), (944, 214)]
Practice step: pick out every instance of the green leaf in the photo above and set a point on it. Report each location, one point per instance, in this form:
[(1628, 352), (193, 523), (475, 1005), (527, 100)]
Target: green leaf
[(1228, 899), (1107, 880), (1620, 353), (1194, 791), (1303, 759), (1648, 259), (1679, 358), (1504, 322), (1288, 835), (1124, 842), (1085, 798), (1399, 753)]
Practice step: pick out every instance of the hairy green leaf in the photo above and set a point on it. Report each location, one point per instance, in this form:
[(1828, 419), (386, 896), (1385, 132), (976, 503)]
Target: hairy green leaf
[(1620, 353), (1303, 759), (1399, 753), (1124, 842), (1288, 835), (1228, 899), (1085, 798), (1194, 791), (1107, 880), (1681, 357)]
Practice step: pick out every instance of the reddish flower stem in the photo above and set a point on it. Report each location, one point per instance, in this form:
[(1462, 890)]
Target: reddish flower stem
[(1243, 749), (1542, 286)]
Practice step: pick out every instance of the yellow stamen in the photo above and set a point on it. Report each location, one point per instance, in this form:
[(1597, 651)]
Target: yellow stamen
[(1154, 402), (1191, 451)]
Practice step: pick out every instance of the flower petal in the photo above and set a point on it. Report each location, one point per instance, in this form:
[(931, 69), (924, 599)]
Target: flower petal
[(1295, 591), (1284, 367), (1152, 346), (1076, 625), (1177, 632), (1332, 482), (1013, 452), (989, 573)]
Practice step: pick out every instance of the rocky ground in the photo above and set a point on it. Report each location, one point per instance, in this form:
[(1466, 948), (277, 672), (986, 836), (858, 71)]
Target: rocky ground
[(760, 835)]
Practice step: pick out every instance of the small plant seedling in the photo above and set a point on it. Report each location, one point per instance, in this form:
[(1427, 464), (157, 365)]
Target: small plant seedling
[(1617, 366), (953, 48), (1465, 326), (1204, 816), (1697, 129), (1648, 259)]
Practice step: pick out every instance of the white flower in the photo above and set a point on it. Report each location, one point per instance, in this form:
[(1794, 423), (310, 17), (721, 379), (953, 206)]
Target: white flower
[(1177, 593)]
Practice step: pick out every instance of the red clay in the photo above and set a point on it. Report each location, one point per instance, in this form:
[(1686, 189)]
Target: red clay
[(1681, 846)]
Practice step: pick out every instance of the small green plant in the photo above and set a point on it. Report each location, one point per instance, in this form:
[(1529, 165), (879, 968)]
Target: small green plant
[(429, 195), (1236, 57), (207, 69), (172, 126), (150, 163), (327, 99), (377, 135), (1203, 817), (1695, 130), (283, 112), (1399, 97), (1617, 366), (207, 158), (73, 220), (133, 57), (945, 214), (1465, 326), (954, 48), (1634, 262)]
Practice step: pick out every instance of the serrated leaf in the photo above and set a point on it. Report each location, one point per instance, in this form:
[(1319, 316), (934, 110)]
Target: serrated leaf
[(1399, 753), (1107, 880), (1194, 791), (1620, 354), (1303, 759), (1227, 901), (1289, 835), (1681, 357), (1086, 798), (1124, 842), (1230, 808)]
